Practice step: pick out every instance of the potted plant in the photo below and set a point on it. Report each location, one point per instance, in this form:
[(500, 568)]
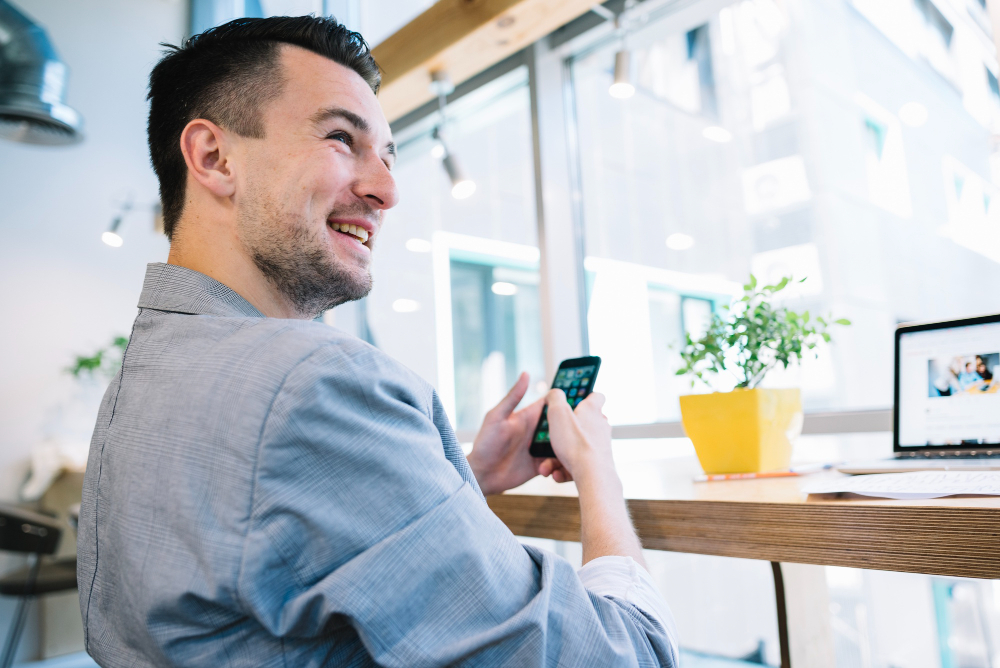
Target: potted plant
[(748, 429)]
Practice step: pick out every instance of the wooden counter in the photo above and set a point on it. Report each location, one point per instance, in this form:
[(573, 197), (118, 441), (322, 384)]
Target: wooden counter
[(772, 520)]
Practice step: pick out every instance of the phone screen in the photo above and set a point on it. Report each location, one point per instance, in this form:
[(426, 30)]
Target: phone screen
[(576, 379)]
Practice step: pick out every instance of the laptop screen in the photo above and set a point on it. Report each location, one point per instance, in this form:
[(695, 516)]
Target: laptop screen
[(948, 385)]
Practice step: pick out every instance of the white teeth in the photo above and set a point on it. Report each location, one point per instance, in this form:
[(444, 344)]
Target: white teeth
[(356, 231)]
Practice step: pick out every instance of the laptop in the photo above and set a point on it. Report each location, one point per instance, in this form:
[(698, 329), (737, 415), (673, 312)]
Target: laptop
[(947, 399)]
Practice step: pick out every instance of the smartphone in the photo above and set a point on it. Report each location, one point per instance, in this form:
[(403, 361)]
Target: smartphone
[(575, 377)]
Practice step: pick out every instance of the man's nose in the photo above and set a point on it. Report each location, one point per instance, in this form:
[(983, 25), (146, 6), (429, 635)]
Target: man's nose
[(377, 185)]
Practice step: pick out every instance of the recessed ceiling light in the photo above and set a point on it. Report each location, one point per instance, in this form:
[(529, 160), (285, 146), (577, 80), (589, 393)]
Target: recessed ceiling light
[(405, 306), (913, 114), (504, 288), (437, 151), (680, 241), (418, 245), (717, 134)]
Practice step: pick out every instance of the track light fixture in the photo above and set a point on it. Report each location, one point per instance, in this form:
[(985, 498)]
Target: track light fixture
[(622, 86), (461, 185), (111, 237)]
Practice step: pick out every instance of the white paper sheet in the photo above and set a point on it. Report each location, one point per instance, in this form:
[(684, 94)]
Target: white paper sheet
[(916, 485)]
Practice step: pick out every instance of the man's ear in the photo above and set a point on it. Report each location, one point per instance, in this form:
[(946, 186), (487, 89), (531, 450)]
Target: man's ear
[(206, 150)]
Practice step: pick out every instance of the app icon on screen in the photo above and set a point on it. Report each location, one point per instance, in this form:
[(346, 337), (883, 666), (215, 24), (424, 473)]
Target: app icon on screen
[(585, 381)]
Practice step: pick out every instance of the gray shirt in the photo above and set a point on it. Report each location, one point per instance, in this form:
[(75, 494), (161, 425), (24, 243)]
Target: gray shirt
[(267, 492)]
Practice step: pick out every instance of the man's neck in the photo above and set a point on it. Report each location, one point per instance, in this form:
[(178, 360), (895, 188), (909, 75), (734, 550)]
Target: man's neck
[(223, 258)]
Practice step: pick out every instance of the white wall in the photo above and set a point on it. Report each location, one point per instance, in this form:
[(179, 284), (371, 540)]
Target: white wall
[(62, 291)]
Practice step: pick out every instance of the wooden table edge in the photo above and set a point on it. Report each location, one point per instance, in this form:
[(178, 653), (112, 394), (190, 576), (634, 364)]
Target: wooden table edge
[(947, 540)]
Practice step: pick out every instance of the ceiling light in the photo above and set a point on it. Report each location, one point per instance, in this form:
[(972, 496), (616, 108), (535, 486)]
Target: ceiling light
[(418, 245), (463, 189), (504, 288), (33, 85), (679, 241), (913, 114), (112, 239), (438, 150), (622, 86), (461, 185), (717, 134), (405, 306)]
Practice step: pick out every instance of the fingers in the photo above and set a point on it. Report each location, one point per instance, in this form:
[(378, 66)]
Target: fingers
[(562, 475), (553, 467), (547, 466), (555, 399), (596, 399), (513, 398)]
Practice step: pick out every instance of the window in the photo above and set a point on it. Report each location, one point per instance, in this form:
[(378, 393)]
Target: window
[(776, 180), (496, 333)]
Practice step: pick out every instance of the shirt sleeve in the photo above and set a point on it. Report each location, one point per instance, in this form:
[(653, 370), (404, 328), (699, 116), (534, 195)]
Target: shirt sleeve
[(623, 578), (364, 537)]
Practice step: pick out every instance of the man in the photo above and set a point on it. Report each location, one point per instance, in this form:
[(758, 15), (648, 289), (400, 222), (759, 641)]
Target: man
[(264, 490)]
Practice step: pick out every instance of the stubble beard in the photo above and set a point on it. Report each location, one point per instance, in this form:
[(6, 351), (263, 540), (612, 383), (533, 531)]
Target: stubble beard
[(296, 259)]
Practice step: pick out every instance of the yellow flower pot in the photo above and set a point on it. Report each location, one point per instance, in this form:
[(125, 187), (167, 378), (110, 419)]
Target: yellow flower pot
[(743, 431)]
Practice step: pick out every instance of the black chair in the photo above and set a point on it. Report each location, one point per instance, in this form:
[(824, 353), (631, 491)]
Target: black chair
[(37, 535)]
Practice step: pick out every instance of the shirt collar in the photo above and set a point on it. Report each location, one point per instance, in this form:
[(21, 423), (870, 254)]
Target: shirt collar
[(168, 287)]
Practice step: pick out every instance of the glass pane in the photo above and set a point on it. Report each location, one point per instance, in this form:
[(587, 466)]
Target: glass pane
[(455, 294), (905, 619), (846, 143)]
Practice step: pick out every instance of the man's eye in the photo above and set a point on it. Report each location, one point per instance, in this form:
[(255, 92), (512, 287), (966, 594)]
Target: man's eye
[(342, 137)]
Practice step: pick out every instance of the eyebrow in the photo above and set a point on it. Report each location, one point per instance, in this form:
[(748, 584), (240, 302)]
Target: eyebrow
[(352, 118)]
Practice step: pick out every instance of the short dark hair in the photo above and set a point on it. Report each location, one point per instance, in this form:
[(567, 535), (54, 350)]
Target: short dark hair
[(225, 75)]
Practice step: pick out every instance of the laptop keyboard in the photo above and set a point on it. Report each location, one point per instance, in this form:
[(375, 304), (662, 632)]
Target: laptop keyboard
[(950, 454)]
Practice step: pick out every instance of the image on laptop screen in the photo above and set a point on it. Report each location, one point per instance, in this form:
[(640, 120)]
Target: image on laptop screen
[(949, 386)]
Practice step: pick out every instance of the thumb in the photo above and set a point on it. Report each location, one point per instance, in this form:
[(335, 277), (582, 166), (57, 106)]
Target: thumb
[(513, 398)]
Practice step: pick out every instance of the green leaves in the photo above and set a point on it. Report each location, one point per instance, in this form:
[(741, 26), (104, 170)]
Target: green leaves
[(754, 338), (103, 363)]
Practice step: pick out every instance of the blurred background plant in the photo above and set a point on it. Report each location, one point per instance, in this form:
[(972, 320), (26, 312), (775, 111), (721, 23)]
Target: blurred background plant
[(753, 336), (103, 364)]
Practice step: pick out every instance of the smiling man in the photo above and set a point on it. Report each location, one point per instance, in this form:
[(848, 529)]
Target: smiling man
[(264, 490)]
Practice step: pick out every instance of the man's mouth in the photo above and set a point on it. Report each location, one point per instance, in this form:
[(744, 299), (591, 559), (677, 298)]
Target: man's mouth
[(359, 233)]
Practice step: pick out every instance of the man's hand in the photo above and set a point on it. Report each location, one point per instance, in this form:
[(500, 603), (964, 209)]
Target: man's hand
[(500, 458), (582, 440)]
